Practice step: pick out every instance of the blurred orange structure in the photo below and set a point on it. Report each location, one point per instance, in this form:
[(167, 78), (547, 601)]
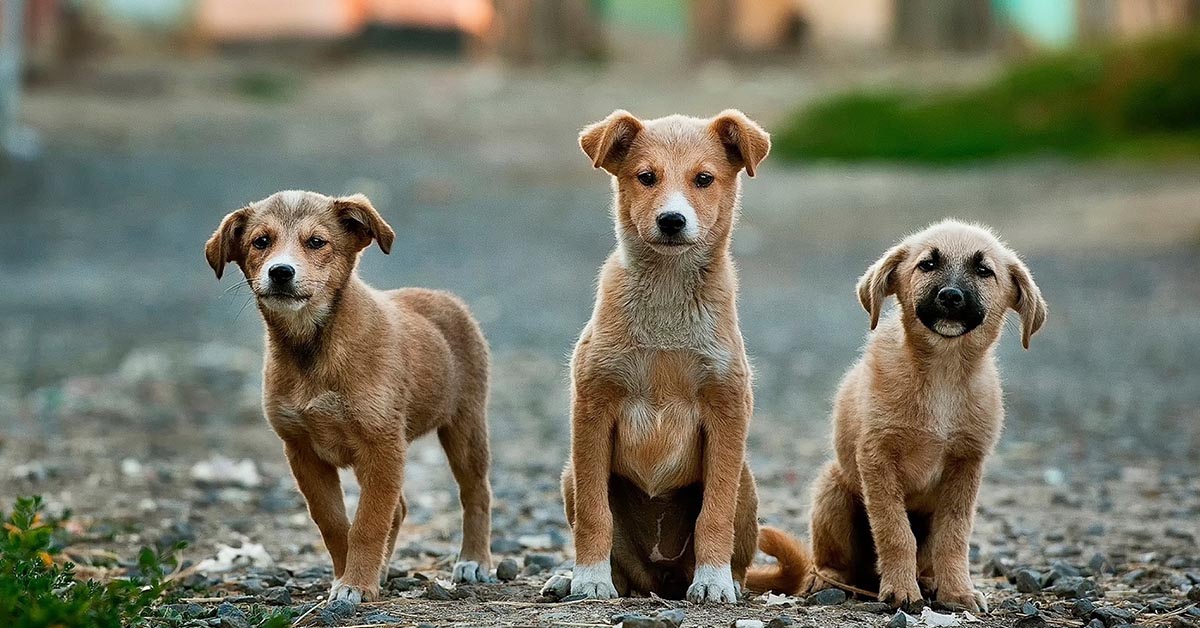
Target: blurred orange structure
[(240, 20)]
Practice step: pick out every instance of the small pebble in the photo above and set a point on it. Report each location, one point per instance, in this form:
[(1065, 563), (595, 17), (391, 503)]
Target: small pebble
[(1083, 608), (672, 617), (435, 591), (783, 621), (545, 561), (899, 620), (1028, 581), (507, 570), (826, 597), (277, 596), (747, 623), (1030, 621)]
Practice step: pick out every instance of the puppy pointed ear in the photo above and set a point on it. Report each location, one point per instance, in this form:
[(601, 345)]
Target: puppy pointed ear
[(225, 245), (746, 143), (607, 142), (361, 218), (1027, 301), (877, 283)]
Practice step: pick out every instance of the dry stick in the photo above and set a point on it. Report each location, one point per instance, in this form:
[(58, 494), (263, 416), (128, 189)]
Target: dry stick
[(308, 612), (842, 585)]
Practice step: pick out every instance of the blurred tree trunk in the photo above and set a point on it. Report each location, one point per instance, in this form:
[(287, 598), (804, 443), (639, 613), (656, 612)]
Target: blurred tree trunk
[(944, 24), (710, 29), (545, 31)]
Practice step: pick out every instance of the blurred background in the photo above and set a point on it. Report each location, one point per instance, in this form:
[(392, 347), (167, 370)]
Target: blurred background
[(130, 127)]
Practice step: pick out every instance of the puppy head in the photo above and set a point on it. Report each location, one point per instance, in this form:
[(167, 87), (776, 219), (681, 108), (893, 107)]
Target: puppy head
[(676, 178), (954, 281), (297, 249)]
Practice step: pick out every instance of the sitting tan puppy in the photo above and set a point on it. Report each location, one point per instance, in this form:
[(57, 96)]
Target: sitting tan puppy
[(914, 421), (353, 374), (657, 489)]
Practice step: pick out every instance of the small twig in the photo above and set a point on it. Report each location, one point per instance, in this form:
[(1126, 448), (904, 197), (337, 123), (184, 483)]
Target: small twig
[(308, 612)]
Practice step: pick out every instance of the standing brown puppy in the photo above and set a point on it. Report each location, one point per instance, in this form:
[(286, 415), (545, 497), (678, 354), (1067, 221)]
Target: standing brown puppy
[(915, 419), (353, 374), (657, 489)]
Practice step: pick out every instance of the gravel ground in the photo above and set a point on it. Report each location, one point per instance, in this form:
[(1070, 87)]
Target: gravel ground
[(130, 389)]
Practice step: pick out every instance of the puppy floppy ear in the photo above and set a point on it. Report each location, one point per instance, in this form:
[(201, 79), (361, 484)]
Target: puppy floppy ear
[(359, 216), (225, 245), (607, 142), (746, 143), (1027, 301), (877, 283)]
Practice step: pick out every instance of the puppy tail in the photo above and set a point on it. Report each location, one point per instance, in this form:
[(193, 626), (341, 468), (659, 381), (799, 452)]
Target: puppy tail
[(794, 563)]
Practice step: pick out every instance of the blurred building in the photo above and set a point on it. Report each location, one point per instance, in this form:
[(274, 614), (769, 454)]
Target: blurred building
[(549, 31)]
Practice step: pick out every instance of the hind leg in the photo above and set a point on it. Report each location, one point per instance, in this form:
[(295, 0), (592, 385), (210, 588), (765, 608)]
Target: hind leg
[(745, 527), (838, 554), (393, 535), (465, 439)]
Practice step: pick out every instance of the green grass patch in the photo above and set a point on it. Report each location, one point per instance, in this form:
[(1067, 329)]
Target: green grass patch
[(1140, 100), (39, 590)]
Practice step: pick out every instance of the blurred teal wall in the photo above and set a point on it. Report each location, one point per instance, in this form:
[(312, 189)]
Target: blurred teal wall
[(1049, 23), (665, 16)]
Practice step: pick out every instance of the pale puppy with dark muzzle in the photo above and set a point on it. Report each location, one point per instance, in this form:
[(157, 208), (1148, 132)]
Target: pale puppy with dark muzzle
[(914, 421)]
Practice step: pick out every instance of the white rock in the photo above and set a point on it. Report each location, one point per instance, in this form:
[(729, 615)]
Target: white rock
[(933, 618), (248, 555), (220, 470)]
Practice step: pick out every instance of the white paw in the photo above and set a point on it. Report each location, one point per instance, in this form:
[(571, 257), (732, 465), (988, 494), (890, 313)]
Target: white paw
[(713, 584), (469, 572), (352, 594), (593, 581)]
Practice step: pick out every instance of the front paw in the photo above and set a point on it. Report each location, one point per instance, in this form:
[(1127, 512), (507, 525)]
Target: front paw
[(713, 584), (970, 599), (353, 593), (900, 595), (470, 572), (593, 581)]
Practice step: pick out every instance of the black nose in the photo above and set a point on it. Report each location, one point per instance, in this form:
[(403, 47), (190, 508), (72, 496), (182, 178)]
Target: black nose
[(950, 298), (671, 223), (281, 273)]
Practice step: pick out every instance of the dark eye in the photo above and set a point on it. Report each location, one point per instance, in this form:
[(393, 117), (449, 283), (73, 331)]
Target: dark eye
[(984, 271), (316, 243), (261, 242), (704, 180), (647, 178), (927, 265)]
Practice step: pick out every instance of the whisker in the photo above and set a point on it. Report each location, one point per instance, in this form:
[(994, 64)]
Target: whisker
[(243, 308), (241, 284)]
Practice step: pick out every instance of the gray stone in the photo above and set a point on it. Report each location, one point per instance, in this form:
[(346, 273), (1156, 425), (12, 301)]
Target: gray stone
[(670, 618), (783, 621), (826, 597), (545, 561), (507, 570), (277, 596), (1028, 581), (1083, 608), (435, 591), (899, 620)]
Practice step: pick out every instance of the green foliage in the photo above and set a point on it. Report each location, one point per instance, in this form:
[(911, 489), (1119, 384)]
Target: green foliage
[(38, 592), (1142, 100)]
